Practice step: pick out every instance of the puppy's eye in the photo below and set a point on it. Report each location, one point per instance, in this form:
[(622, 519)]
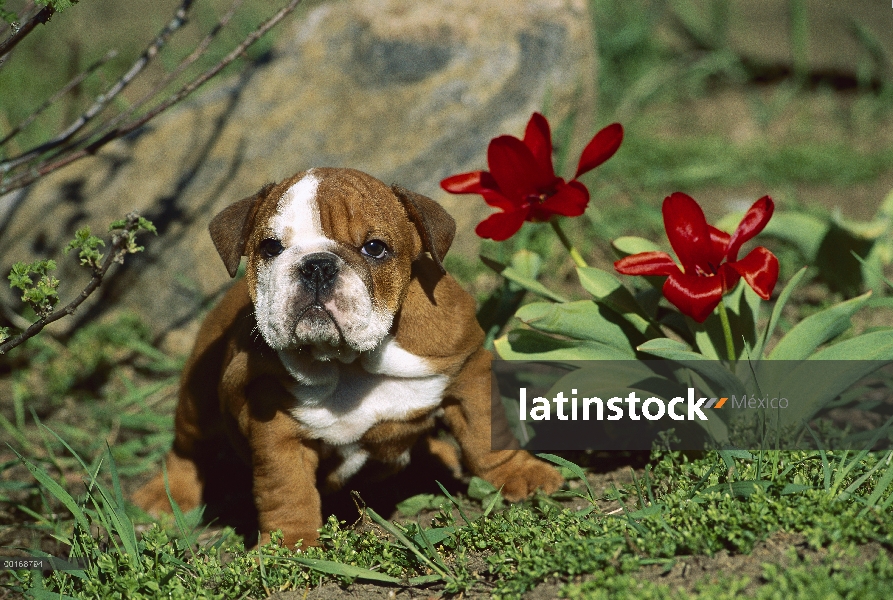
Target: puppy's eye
[(270, 248), (374, 249)]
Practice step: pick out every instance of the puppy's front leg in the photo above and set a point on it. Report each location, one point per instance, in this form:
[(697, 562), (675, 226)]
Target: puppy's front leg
[(467, 411), (284, 479)]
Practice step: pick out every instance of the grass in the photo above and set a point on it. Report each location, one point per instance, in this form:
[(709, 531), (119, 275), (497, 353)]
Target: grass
[(109, 394), (680, 507)]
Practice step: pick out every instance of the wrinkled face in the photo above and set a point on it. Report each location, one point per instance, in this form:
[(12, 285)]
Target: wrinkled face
[(329, 261)]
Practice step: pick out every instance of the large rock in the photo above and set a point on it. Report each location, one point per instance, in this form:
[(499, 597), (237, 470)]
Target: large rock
[(408, 91)]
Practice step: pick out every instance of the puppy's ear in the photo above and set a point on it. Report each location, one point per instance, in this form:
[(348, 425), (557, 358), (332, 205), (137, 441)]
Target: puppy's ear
[(232, 226), (435, 226)]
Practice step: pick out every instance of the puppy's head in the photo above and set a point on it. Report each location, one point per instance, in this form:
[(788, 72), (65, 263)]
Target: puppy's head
[(329, 256)]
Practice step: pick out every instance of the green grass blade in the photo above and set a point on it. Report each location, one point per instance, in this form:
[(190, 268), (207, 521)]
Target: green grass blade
[(455, 503), (58, 491), (48, 595), (14, 432), (335, 568), (432, 551), (626, 513), (496, 498), (573, 468), (883, 483), (70, 449), (179, 518), (394, 531), (642, 503)]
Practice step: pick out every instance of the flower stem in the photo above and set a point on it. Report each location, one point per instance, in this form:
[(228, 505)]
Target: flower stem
[(575, 255), (727, 331)]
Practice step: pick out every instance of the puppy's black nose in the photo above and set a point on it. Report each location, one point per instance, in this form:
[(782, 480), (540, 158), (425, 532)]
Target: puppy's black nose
[(318, 272)]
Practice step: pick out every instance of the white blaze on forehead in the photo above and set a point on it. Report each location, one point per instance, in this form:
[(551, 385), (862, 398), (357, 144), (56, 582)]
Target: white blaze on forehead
[(296, 222)]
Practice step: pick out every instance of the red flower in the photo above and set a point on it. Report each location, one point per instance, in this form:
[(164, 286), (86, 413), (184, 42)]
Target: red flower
[(522, 181), (709, 257)]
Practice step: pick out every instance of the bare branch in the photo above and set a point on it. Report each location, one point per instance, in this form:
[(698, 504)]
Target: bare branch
[(184, 64), (67, 88), (91, 143), (102, 101), (43, 16), (196, 83), (120, 247)]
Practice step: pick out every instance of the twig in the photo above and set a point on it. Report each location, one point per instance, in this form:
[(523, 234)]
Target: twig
[(184, 64), (117, 251), (67, 88), (102, 101), (48, 166), (196, 83), (40, 18)]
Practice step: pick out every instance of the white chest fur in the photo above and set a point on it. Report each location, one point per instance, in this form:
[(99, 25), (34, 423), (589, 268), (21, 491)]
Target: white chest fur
[(340, 402)]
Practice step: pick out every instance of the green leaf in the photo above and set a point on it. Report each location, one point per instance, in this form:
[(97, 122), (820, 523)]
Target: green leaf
[(776, 313), (412, 547), (812, 384), (648, 511), (336, 568), (874, 346), (572, 467), (608, 290), (434, 536), (582, 320), (522, 344), (726, 382), (630, 244), (815, 330), (803, 231), (738, 489), (526, 282), (480, 488), (728, 456), (416, 504), (455, 502), (882, 484), (794, 488), (58, 491)]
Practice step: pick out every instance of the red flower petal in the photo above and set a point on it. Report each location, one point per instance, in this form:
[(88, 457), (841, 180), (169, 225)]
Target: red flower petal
[(497, 200), (688, 233), (469, 183), (693, 295), (538, 138), (501, 226), (570, 201), (730, 277), (647, 263), (753, 223), (516, 172), (600, 148), (719, 242), (759, 269)]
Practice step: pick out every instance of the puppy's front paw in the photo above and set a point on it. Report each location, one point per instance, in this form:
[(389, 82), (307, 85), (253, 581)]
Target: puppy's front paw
[(522, 475)]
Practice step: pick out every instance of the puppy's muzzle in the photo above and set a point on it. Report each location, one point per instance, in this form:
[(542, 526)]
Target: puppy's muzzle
[(318, 272)]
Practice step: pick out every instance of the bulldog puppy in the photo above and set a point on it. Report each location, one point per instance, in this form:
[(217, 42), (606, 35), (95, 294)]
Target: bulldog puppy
[(343, 343)]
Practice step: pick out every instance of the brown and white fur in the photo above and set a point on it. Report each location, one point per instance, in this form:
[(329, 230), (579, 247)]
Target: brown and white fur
[(346, 339)]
